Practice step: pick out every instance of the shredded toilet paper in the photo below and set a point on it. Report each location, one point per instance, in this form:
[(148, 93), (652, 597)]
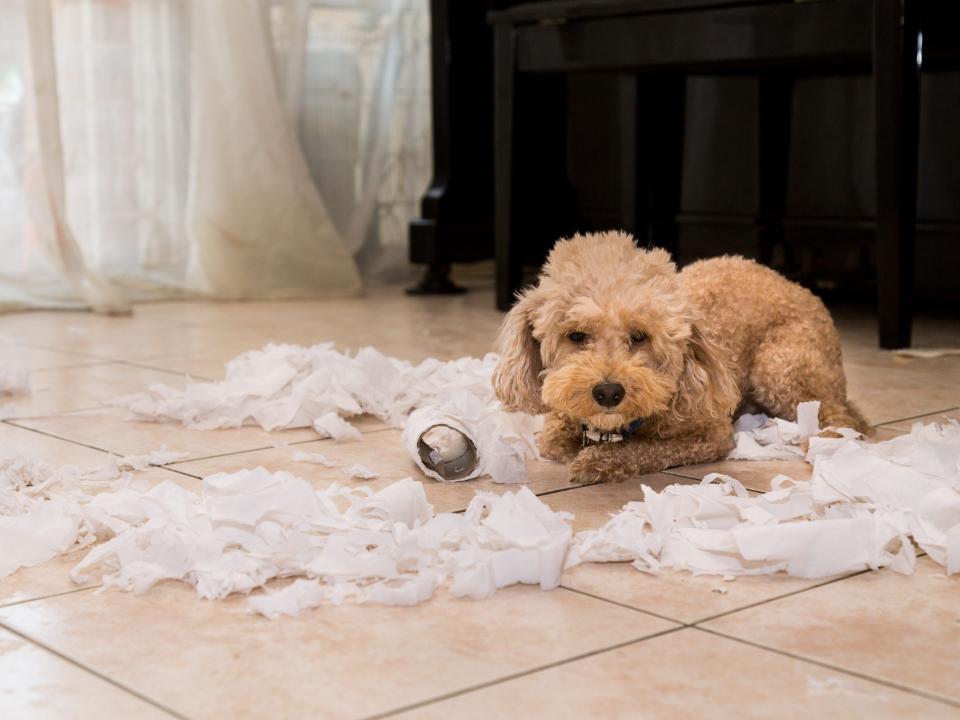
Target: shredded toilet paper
[(41, 509), (865, 507), (287, 386), (310, 457), (361, 472), (868, 505), (247, 528), (760, 437)]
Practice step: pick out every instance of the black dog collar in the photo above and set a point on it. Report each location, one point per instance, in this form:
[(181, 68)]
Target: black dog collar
[(590, 436)]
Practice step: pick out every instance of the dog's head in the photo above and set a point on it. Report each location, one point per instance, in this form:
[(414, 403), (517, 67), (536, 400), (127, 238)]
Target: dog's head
[(607, 337)]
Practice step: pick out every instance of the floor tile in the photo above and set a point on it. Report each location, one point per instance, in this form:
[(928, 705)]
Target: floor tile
[(381, 452), (754, 474), (204, 366), (445, 328), (79, 388), (889, 394), (679, 596), (108, 429), (906, 425), (17, 441), (111, 337), (213, 660), (50, 578), (905, 630), (34, 359), (207, 659), (36, 684), (858, 331), (685, 674)]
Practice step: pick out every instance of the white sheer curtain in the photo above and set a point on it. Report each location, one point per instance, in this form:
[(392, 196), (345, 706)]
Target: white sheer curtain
[(356, 80), (158, 148)]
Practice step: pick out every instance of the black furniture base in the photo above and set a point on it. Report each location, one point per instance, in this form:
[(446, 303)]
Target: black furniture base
[(654, 44), (436, 281)]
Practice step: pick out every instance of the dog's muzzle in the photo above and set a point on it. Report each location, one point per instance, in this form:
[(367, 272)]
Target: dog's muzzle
[(592, 436)]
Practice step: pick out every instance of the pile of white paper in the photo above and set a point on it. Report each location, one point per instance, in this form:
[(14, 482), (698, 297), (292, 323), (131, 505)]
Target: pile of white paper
[(249, 527), (867, 505), (287, 386), (864, 507), (41, 513)]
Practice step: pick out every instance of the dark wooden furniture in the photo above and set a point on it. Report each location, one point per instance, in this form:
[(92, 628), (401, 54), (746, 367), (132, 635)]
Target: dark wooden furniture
[(654, 44), (455, 223)]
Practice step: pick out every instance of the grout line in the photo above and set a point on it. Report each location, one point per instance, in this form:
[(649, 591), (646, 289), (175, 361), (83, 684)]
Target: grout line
[(676, 473), (780, 597), (14, 423), (91, 671), (885, 423), (51, 595), (86, 362), (520, 674), (258, 449), (177, 373), (56, 413), (838, 668), (568, 488), (50, 348), (179, 472), (624, 605)]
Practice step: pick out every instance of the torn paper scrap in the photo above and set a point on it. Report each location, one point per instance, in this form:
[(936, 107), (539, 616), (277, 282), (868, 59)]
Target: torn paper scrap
[(311, 457), (361, 471), (759, 437), (333, 426), (926, 353), (126, 463), (298, 596), (808, 419)]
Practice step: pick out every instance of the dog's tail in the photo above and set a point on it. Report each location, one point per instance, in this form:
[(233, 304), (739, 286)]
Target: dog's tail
[(844, 415)]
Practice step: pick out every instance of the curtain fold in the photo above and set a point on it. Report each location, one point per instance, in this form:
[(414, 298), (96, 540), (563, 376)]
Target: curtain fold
[(216, 148), (257, 225), (49, 247)]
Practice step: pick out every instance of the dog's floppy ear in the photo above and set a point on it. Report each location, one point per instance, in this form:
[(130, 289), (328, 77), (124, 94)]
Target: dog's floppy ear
[(706, 388), (516, 379)]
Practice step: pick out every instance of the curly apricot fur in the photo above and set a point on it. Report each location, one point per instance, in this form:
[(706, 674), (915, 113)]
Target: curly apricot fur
[(688, 347)]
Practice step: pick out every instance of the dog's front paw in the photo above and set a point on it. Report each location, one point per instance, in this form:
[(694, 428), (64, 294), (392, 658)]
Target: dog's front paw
[(598, 463), (551, 449), (560, 439)]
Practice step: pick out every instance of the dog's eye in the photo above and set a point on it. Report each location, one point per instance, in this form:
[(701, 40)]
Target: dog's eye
[(637, 337), (577, 337)]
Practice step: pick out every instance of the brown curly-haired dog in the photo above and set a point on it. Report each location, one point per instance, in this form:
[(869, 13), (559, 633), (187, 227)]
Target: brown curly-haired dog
[(640, 367)]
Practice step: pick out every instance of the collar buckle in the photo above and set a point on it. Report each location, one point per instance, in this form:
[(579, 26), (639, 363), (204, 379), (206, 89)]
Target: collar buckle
[(591, 436)]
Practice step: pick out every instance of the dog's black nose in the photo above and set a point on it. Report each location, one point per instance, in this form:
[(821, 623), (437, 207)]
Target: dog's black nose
[(608, 394)]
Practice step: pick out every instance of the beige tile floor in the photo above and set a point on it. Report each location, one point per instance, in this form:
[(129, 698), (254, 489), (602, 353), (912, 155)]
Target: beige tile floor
[(612, 642)]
